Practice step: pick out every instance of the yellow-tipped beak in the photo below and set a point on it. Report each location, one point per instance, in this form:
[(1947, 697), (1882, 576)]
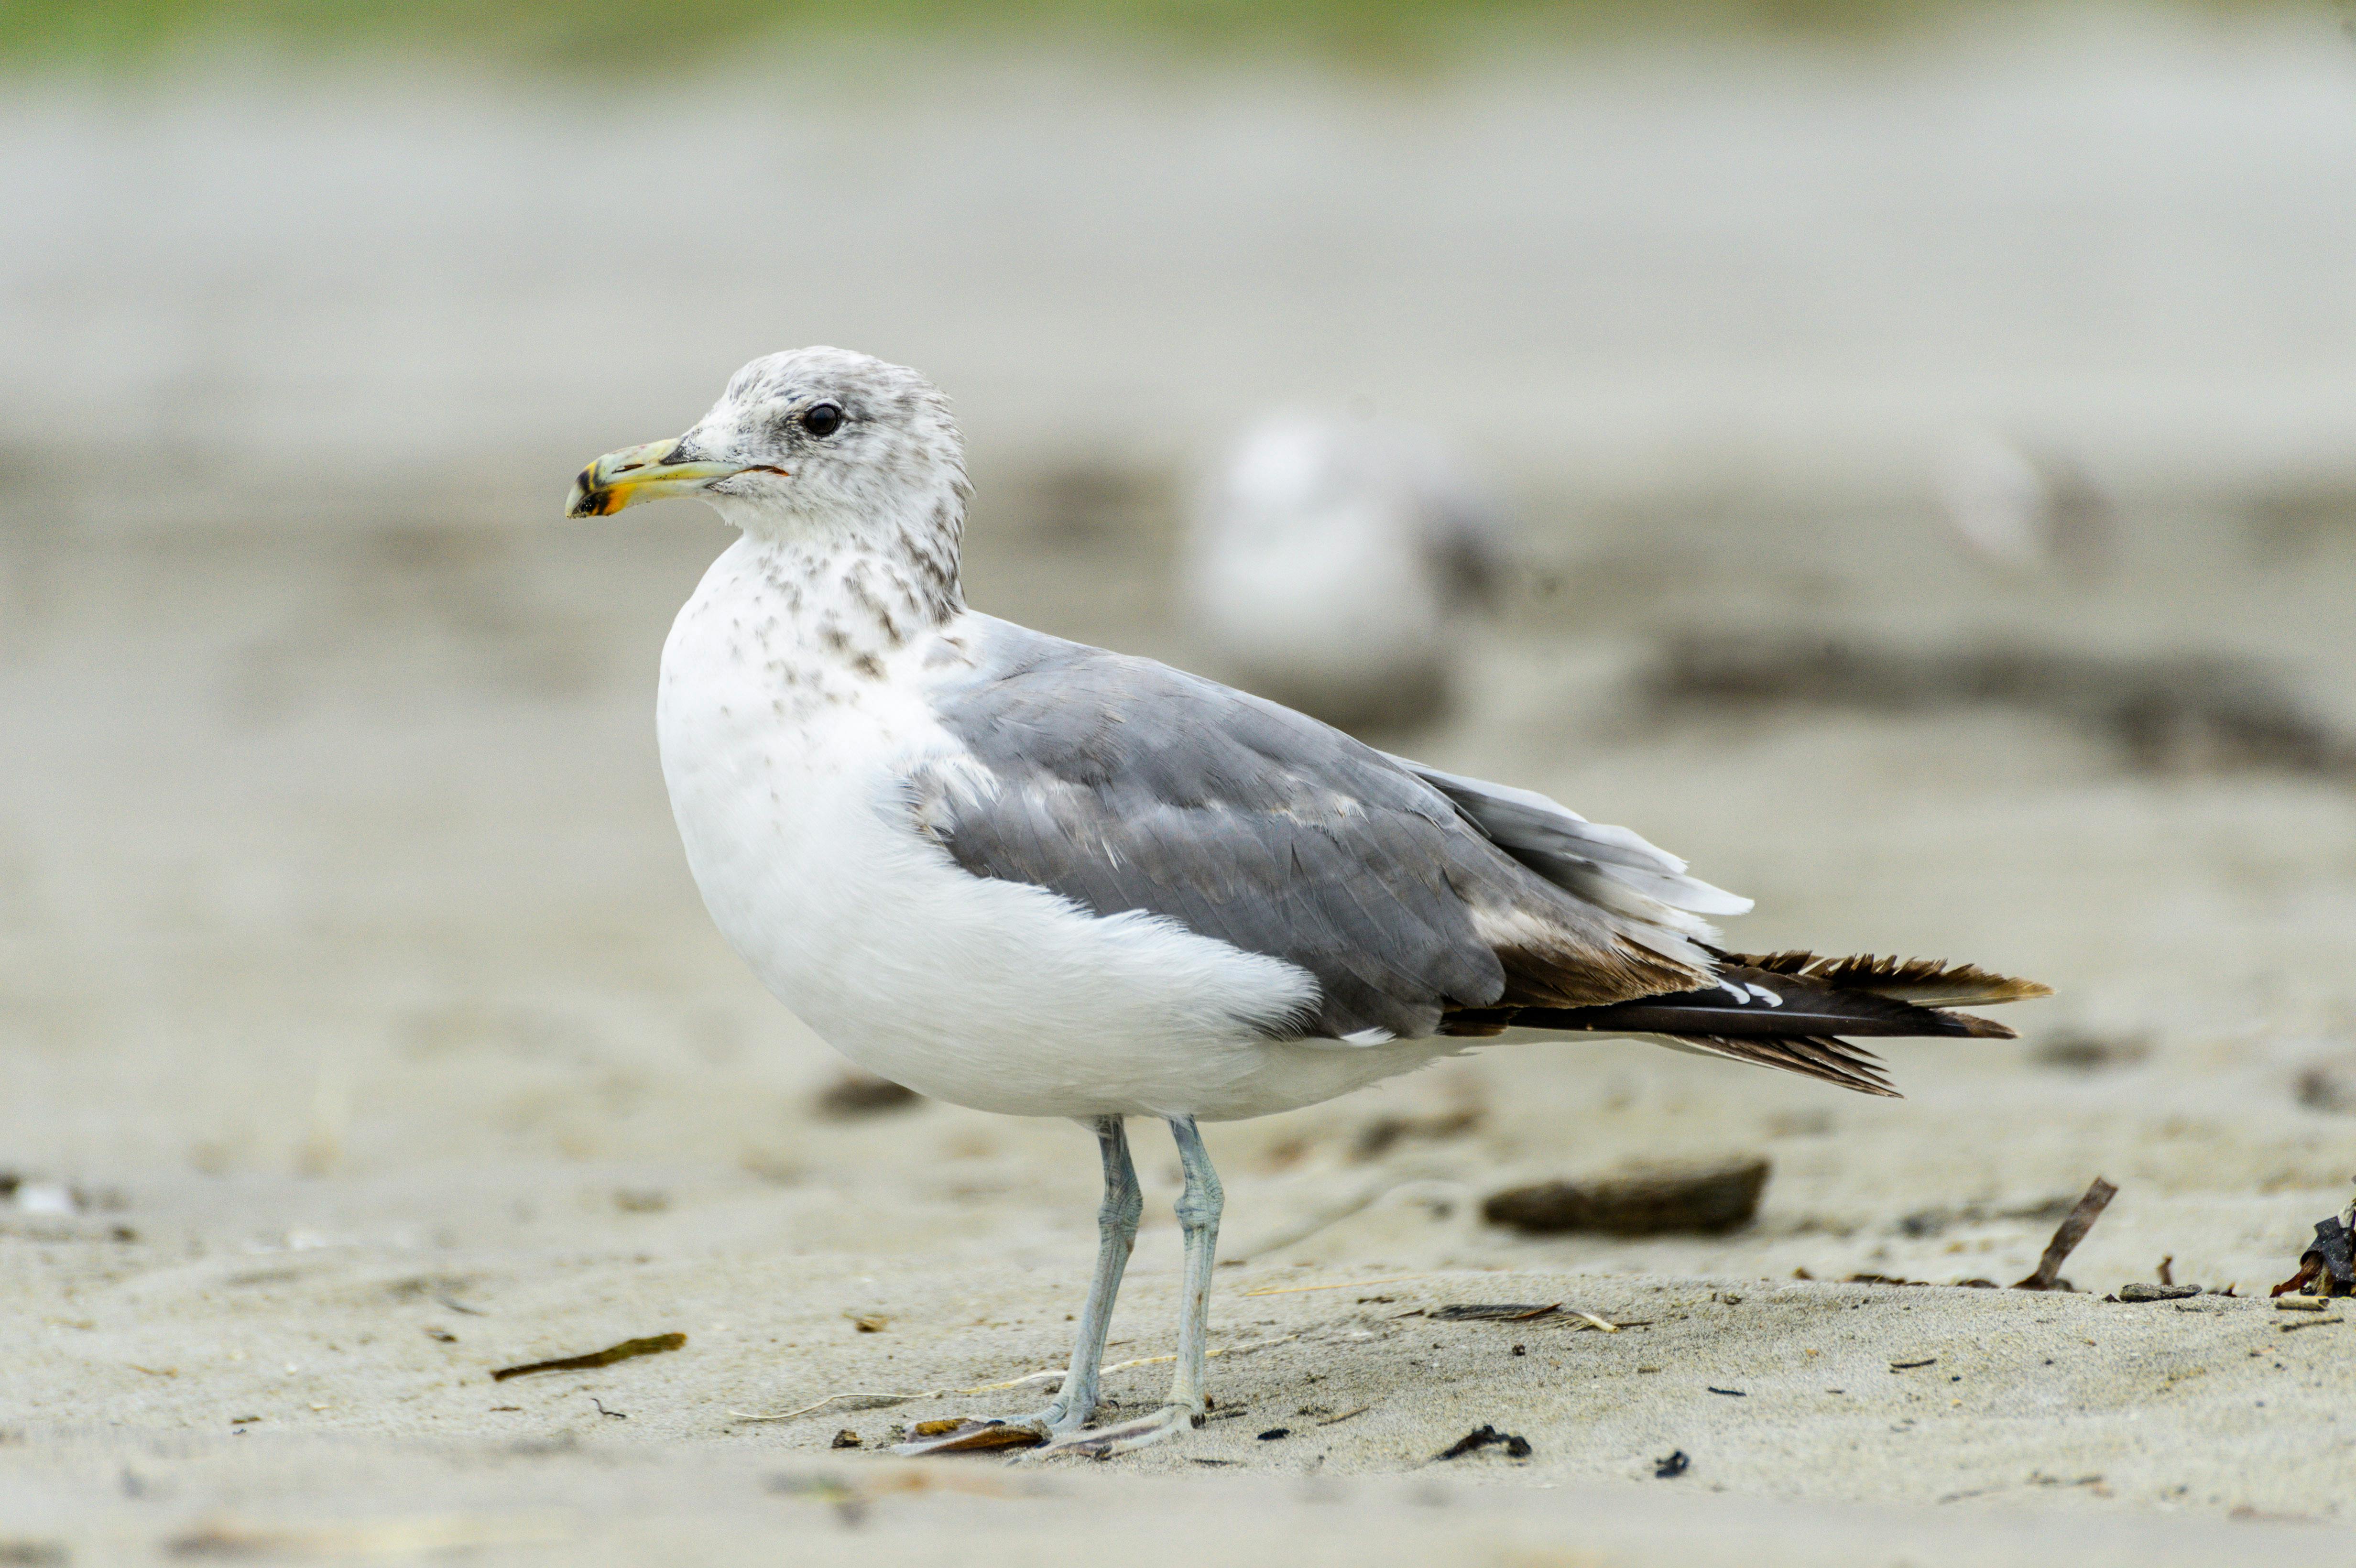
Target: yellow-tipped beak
[(638, 473)]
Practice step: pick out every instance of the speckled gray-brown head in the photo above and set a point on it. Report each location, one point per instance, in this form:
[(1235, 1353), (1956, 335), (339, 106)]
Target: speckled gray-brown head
[(809, 441)]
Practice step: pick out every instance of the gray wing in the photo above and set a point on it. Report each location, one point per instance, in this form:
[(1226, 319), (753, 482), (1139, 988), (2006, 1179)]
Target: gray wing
[(1123, 784), (1604, 865)]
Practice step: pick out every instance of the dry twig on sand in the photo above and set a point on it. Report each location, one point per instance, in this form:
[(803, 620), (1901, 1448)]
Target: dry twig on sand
[(652, 1344), (1520, 1312), (2066, 1237)]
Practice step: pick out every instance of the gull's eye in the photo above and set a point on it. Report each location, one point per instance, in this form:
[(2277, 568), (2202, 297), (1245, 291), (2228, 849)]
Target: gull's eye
[(822, 419)]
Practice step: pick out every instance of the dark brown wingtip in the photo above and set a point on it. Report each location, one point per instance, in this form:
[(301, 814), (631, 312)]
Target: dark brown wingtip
[(1824, 1057), (1980, 1029), (1926, 982)]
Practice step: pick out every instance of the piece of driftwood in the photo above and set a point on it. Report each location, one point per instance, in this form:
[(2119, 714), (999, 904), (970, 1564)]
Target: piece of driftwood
[(1494, 1312), (652, 1344), (1708, 1198), (1523, 1312), (2066, 1237)]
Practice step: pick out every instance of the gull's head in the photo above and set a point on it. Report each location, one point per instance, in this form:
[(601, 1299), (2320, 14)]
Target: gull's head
[(808, 438)]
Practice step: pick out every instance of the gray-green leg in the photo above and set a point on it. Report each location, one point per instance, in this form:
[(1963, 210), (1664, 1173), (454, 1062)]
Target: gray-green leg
[(1117, 1219), (1198, 1223)]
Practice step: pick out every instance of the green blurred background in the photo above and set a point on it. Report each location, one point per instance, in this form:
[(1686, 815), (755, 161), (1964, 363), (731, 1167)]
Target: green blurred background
[(624, 33)]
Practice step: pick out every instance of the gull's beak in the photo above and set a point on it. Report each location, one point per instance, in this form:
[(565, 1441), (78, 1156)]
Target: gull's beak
[(638, 473)]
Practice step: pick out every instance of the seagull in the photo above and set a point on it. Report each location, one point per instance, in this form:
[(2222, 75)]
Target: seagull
[(1331, 563), (1040, 878), (2024, 511)]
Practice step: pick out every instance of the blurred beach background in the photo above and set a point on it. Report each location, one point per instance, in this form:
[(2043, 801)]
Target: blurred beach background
[(341, 913)]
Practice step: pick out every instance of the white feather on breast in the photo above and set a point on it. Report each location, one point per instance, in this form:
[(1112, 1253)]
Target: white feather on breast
[(787, 775)]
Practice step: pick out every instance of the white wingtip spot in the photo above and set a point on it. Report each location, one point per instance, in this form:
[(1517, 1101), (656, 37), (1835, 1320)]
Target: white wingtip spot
[(1763, 994)]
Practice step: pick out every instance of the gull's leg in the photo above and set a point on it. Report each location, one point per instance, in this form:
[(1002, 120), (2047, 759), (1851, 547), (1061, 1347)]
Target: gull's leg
[(1198, 1225), (1199, 1206), (1117, 1219)]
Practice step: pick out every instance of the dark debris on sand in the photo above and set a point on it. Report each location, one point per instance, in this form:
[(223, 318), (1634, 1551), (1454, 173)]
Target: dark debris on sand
[(1486, 1436), (651, 1345), (857, 1096), (2328, 1266), (2176, 714), (1710, 1199)]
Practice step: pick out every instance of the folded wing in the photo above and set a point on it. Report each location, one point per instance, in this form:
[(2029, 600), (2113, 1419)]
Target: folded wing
[(1123, 784), (1423, 902)]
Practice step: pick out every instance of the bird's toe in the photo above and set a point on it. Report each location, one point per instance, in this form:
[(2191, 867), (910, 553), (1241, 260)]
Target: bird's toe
[(1125, 1437)]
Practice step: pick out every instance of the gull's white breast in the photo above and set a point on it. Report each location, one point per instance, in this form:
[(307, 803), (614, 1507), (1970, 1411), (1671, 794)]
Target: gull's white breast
[(788, 778)]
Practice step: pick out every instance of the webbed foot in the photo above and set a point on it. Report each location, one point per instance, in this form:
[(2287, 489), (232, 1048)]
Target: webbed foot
[(1127, 1436)]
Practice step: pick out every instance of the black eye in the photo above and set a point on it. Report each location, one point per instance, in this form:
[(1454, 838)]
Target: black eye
[(822, 419)]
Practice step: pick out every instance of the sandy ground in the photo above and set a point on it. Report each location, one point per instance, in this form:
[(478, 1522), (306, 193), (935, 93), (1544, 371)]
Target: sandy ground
[(362, 1033), (353, 982)]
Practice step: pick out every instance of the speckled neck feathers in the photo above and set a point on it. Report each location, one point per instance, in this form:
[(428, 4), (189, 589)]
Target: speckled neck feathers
[(830, 603)]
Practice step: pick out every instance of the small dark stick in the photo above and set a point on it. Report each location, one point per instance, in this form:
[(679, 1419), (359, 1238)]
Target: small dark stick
[(2066, 1237), (653, 1344)]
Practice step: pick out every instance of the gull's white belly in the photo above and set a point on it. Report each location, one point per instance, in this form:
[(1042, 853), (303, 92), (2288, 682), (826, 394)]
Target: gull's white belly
[(992, 994)]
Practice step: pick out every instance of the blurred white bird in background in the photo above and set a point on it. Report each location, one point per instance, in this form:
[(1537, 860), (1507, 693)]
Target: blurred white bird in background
[(2026, 512), (1333, 563)]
